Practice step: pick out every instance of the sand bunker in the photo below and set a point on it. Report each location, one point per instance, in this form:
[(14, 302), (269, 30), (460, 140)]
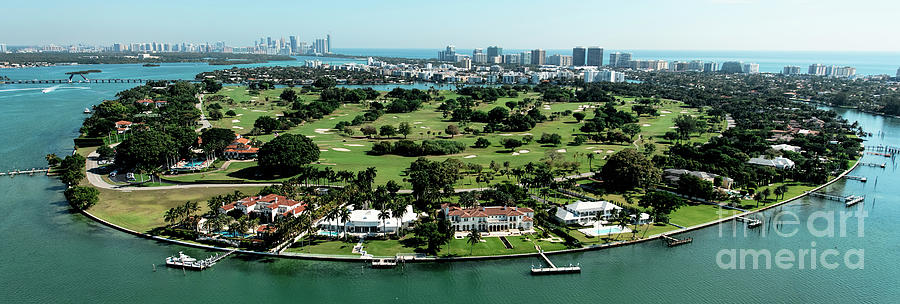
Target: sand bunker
[(610, 151), (310, 136), (323, 150), (354, 145), (523, 151), (418, 122), (515, 154), (506, 134), (561, 150), (590, 148), (322, 131), (684, 112), (665, 112), (235, 120), (260, 111), (236, 127), (645, 125), (240, 115), (341, 149), (471, 156)]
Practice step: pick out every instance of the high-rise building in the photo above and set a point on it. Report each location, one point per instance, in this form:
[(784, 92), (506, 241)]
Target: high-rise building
[(843, 72), (3, 49), (269, 42), (591, 75), (494, 51), (733, 67), (511, 58), (321, 46), (560, 60), (594, 56), (619, 59), (578, 53), (710, 67), (294, 49), (465, 63), (525, 58), (695, 66), (791, 70), (898, 72), (750, 68), (328, 44), (480, 58), (538, 56), (448, 54), (816, 69)]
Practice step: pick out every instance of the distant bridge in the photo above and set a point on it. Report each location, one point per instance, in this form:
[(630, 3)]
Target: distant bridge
[(60, 81)]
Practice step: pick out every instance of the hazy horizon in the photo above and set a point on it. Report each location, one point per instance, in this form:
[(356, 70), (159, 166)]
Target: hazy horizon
[(691, 25)]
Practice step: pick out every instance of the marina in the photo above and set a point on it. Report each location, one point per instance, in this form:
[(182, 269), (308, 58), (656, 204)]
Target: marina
[(856, 178), (848, 200)]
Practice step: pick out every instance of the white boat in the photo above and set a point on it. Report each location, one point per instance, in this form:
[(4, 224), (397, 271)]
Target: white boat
[(87, 111), (182, 260)]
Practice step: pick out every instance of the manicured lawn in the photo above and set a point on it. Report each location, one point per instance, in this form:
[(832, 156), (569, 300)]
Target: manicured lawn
[(322, 247), (698, 214), (143, 210)]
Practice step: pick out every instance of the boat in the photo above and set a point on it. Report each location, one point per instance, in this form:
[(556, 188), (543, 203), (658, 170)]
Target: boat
[(182, 260), (87, 111), (147, 65)]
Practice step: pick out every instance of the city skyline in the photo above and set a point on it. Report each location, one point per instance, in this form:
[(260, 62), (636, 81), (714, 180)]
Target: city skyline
[(738, 25)]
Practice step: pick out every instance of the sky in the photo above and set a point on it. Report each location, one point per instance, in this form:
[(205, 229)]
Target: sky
[(807, 25)]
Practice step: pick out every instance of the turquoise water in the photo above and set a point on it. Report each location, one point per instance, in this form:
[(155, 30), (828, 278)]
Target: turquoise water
[(866, 63), (50, 254)]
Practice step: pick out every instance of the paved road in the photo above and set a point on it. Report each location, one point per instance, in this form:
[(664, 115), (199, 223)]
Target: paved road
[(204, 123)]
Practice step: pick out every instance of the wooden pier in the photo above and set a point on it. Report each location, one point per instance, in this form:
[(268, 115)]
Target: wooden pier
[(848, 200), (881, 148), (33, 171), (751, 223), (553, 269), (672, 242), (881, 165), (857, 178)]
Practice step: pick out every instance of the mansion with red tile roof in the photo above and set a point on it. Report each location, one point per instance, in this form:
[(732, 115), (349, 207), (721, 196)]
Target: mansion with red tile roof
[(240, 148), (123, 125), (499, 218), (151, 102), (269, 207)]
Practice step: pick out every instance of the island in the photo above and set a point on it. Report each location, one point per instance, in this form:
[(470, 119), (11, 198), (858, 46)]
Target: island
[(347, 173)]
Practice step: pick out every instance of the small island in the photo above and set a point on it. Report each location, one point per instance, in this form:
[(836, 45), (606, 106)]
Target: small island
[(477, 171)]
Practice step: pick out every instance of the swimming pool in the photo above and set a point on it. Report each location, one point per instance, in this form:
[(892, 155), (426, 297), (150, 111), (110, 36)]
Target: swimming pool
[(604, 230), (329, 233)]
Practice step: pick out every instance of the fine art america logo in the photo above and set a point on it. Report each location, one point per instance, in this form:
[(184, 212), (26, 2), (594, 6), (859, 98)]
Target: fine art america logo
[(821, 225)]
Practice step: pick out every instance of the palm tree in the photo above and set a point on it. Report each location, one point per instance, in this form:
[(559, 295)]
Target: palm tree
[(757, 197), (765, 194), (590, 158), (474, 238), (622, 218), (171, 216), (398, 211), (345, 217), (383, 215)]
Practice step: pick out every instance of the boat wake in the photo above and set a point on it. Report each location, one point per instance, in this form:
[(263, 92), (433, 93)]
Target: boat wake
[(44, 90)]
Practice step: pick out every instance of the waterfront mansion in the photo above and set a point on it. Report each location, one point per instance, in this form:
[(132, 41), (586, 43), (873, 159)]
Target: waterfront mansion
[(488, 219), (584, 213), (267, 208), (368, 222)]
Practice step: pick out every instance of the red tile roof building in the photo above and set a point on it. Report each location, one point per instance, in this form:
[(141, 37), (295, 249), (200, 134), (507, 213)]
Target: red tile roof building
[(498, 218), (240, 148), (267, 207)]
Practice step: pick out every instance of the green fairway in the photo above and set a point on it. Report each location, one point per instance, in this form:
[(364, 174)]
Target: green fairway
[(341, 152)]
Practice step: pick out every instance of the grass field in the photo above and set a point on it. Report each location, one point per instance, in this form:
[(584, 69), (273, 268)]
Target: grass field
[(344, 153), (143, 210)]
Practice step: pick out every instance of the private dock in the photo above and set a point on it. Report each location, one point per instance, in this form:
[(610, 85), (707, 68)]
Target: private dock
[(185, 262), (857, 178), (881, 148), (855, 200), (882, 165), (751, 223), (848, 200), (672, 242), (13, 173), (553, 269)]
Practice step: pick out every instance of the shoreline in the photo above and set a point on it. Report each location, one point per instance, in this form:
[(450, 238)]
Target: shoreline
[(349, 258)]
